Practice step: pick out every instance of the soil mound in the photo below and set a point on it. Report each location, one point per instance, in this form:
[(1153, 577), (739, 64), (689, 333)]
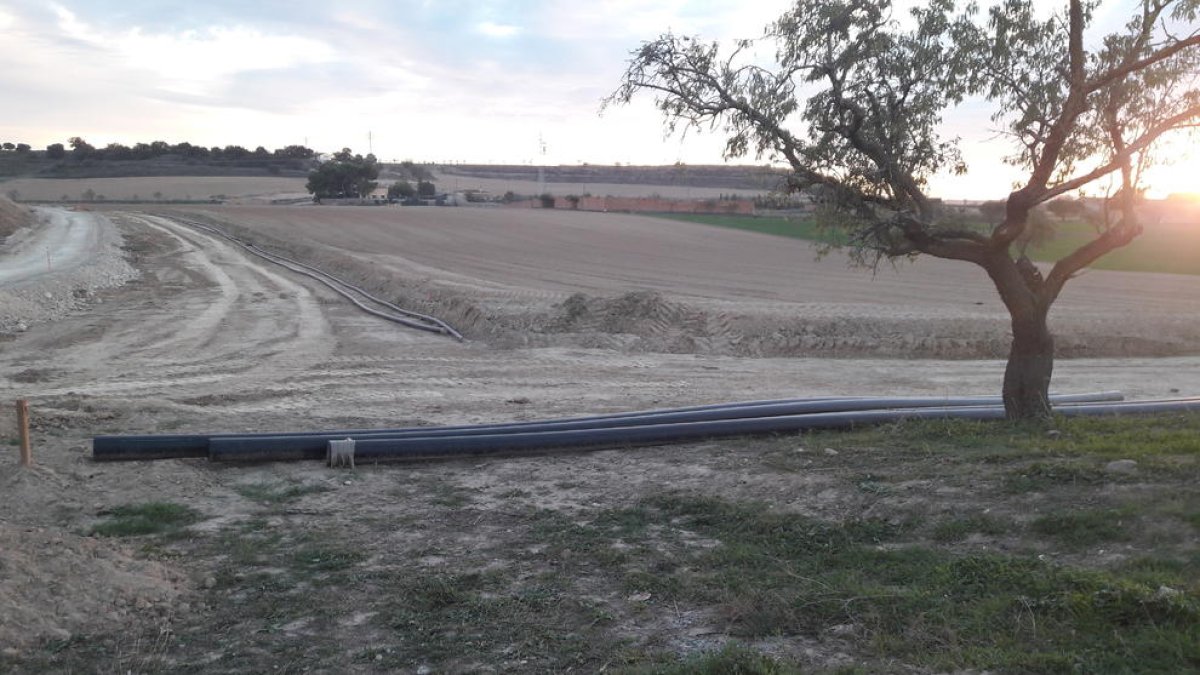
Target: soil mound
[(12, 218), (53, 584)]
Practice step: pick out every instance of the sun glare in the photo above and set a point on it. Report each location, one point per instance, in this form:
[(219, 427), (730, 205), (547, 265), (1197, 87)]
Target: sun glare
[(1177, 173)]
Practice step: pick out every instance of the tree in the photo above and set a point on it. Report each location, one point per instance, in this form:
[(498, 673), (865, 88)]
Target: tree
[(80, 148), (55, 151), (401, 189), (9, 146), (1064, 208), (346, 175), (427, 189), (869, 92), (23, 148), (295, 152)]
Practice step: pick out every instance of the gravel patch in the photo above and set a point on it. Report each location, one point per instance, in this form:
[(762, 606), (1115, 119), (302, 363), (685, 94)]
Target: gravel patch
[(52, 296)]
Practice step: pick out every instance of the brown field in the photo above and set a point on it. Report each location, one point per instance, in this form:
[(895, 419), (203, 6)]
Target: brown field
[(498, 186), (170, 187), (714, 290)]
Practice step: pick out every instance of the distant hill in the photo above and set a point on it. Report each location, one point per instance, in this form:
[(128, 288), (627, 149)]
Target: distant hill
[(152, 159), (749, 178)]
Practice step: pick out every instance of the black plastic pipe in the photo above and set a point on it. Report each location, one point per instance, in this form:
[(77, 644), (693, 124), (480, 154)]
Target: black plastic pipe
[(423, 322), (400, 449), (313, 446), (184, 446)]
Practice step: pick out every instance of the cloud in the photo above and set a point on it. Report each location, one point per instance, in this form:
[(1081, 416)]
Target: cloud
[(497, 30), (195, 62)]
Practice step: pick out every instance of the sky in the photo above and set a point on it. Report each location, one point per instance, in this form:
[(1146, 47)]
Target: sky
[(477, 81)]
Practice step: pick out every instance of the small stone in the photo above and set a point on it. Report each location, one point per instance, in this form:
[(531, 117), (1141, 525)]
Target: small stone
[(346, 482), (1166, 592), (210, 582), (1121, 466), (379, 657), (831, 452), (843, 629), (799, 450), (424, 670)]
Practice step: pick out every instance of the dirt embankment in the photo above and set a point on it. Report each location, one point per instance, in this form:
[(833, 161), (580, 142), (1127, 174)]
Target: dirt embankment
[(12, 218)]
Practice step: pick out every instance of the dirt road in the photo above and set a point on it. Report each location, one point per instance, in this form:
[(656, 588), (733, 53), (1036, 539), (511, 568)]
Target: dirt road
[(60, 240)]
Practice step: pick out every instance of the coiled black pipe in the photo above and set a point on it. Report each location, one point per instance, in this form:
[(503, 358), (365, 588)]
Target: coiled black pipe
[(424, 322), (362, 291), (425, 447), (182, 446)]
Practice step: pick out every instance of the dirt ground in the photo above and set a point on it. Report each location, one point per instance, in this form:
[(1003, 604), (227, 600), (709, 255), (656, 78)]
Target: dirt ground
[(209, 340)]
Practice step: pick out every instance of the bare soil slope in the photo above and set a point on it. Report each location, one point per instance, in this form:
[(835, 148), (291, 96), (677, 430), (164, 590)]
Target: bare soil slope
[(649, 284), (12, 218)]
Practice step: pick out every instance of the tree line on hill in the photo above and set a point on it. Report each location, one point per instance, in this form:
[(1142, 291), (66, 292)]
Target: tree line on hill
[(79, 157)]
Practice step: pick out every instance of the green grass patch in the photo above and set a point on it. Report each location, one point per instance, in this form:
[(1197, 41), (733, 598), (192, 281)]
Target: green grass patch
[(795, 228), (1134, 437), (1159, 249), (732, 659), (1042, 476), (958, 529), (275, 493), (781, 574), (133, 520), (1169, 441), (538, 620), (325, 558), (1077, 529)]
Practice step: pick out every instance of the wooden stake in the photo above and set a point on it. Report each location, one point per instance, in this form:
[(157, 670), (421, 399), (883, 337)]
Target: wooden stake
[(23, 429)]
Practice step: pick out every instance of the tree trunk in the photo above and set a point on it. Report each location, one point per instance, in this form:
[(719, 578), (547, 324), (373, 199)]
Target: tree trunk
[(1030, 365)]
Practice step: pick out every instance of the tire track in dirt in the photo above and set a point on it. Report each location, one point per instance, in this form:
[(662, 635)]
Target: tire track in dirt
[(230, 326)]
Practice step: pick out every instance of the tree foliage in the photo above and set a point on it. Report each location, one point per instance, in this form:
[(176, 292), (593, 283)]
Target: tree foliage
[(346, 175), (401, 189), (856, 97)]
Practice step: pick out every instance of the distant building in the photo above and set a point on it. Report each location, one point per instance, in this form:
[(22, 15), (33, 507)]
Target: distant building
[(378, 196)]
